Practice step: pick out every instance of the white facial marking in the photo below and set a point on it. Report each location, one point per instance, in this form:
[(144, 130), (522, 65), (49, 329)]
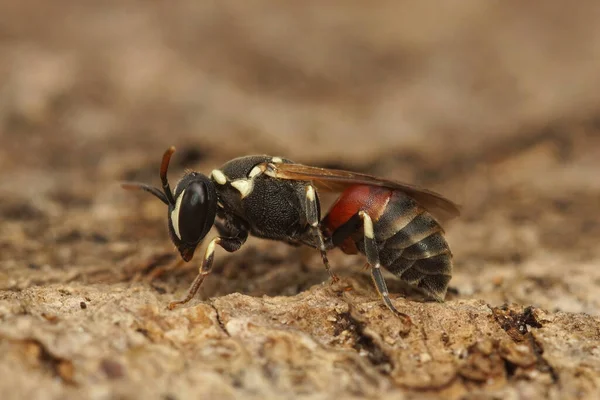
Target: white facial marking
[(277, 160), (368, 225), (255, 171), (219, 177), (244, 186), (175, 215), (310, 193)]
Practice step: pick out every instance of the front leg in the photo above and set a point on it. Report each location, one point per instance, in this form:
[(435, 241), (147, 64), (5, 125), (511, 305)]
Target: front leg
[(312, 217), (230, 244)]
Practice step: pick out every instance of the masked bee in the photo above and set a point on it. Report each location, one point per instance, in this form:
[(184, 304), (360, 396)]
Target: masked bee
[(395, 225)]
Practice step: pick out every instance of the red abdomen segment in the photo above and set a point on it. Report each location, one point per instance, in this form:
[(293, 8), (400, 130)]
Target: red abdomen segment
[(411, 243), (372, 199)]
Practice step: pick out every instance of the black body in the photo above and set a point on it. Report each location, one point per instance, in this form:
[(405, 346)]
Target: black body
[(274, 209), (274, 198)]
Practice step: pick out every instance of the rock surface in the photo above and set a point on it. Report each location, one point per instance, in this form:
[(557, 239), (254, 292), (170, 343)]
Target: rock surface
[(495, 105)]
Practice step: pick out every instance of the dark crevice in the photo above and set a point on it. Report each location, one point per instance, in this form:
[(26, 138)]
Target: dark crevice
[(363, 342), (516, 325), (219, 321), (510, 369), (158, 289), (542, 364)]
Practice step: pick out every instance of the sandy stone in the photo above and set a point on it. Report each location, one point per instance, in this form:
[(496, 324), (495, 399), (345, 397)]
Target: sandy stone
[(495, 105)]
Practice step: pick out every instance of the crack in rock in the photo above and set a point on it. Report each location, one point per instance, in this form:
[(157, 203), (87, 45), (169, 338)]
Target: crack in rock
[(219, 320), (364, 342), (516, 325)]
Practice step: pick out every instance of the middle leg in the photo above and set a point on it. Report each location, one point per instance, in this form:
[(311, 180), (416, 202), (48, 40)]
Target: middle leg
[(312, 217)]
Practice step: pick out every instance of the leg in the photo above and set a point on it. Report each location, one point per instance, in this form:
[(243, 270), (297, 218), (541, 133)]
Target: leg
[(363, 219), (372, 254), (312, 216), (229, 244)]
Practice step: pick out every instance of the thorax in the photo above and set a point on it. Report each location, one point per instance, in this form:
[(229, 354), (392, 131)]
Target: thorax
[(271, 208)]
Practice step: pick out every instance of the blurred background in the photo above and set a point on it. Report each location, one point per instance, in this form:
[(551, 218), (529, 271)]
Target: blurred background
[(493, 103)]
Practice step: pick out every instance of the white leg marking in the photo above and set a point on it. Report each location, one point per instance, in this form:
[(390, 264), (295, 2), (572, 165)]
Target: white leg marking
[(244, 186), (210, 249), (368, 224), (175, 215), (219, 177), (311, 197), (310, 193)]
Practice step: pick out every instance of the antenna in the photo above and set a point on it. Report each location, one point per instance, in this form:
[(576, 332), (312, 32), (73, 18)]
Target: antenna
[(167, 196)]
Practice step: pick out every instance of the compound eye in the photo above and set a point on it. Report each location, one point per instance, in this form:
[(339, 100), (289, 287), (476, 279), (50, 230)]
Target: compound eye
[(193, 212)]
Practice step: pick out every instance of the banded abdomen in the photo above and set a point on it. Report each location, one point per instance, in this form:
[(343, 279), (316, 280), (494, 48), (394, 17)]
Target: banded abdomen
[(410, 241)]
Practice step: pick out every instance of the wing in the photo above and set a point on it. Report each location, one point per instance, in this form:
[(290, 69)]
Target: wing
[(333, 180)]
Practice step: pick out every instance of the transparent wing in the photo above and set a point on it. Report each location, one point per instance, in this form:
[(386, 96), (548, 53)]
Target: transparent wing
[(333, 180)]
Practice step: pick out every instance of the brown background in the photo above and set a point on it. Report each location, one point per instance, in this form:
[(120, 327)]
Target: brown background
[(494, 104)]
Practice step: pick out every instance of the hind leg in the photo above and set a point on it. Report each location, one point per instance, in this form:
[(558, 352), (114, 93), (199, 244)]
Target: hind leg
[(371, 251)]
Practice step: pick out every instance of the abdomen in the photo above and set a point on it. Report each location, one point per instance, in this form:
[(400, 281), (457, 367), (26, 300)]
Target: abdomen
[(411, 243)]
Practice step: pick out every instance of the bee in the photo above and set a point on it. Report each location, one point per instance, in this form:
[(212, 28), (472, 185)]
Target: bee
[(397, 226)]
